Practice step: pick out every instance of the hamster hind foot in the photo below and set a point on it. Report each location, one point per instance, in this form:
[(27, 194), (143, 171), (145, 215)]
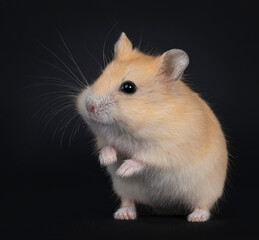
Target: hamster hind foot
[(198, 215), (107, 156), (127, 211)]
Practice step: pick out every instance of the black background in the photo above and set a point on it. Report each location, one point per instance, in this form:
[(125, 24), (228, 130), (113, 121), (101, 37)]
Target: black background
[(52, 186)]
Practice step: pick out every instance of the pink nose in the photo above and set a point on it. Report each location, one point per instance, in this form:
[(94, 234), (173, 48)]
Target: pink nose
[(90, 108)]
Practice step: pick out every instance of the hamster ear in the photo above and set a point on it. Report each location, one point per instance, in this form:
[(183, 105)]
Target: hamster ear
[(174, 62), (123, 46)]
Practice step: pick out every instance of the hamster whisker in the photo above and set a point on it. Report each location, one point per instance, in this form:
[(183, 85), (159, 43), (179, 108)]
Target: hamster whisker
[(66, 123), (104, 44), (72, 58), (104, 105), (54, 83), (53, 100), (63, 125), (60, 80), (84, 79), (73, 131), (53, 94), (140, 40), (55, 112), (59, 106), (94, 58), (61, 70), (64, 131), (67, 111), (80, 124), (61, 61)]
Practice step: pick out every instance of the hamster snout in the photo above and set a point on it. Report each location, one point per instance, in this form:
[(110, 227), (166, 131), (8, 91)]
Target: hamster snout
[(98, 109), (90, 108)]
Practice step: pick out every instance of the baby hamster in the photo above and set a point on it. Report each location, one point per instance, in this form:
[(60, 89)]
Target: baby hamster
[(161, 143)]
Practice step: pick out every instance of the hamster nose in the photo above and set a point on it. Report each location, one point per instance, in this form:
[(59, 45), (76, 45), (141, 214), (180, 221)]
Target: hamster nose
[(90, 108)]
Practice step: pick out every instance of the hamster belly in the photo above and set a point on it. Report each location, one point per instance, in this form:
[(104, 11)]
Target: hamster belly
[(156, 188)]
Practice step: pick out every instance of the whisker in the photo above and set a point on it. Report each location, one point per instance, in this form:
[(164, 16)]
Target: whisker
[(54, 114), (50, 104), (60, 69), (60, 105), (60, 60), (72, 58), (58, 80), (69, 57), (105, 40), (65, 128), (101, 67), (78, 127), (46, 96), (139, 45), (72, 132), (44, 109), (61, 124), (53, 83), (66, 123)]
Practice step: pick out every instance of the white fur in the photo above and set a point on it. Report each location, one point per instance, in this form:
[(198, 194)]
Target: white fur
[(108, 155), (199, 215), (156, 188), (127, 211), (130, 167)]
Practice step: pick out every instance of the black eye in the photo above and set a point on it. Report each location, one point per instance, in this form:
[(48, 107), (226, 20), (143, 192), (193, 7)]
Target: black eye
[(128, 87)]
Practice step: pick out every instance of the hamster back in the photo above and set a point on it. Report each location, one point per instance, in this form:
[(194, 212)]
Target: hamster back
[(160, 142)]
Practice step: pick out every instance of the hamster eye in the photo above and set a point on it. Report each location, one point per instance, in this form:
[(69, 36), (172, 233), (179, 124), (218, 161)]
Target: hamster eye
[(128, 87)]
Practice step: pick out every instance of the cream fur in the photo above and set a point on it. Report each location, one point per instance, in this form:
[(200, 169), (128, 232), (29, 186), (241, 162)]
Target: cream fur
[(164, 125)]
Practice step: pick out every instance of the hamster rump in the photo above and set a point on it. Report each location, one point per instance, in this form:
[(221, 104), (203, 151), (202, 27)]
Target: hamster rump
[(161, 142)]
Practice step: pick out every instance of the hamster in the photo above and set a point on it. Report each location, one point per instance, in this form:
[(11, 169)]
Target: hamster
[(161, 143)]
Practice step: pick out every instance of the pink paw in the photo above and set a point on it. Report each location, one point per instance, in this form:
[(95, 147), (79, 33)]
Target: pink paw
[(125, 213), (198, 215), (108, 155), (129, 167)]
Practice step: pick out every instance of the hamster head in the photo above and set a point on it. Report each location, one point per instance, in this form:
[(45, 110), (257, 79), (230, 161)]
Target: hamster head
[(133, 87)]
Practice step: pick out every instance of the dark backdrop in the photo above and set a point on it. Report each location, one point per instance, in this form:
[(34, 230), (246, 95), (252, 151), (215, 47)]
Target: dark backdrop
[(51, 183)]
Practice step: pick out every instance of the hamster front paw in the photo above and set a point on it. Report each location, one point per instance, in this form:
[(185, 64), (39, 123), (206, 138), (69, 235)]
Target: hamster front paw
[(130, 167), (107, 156)]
